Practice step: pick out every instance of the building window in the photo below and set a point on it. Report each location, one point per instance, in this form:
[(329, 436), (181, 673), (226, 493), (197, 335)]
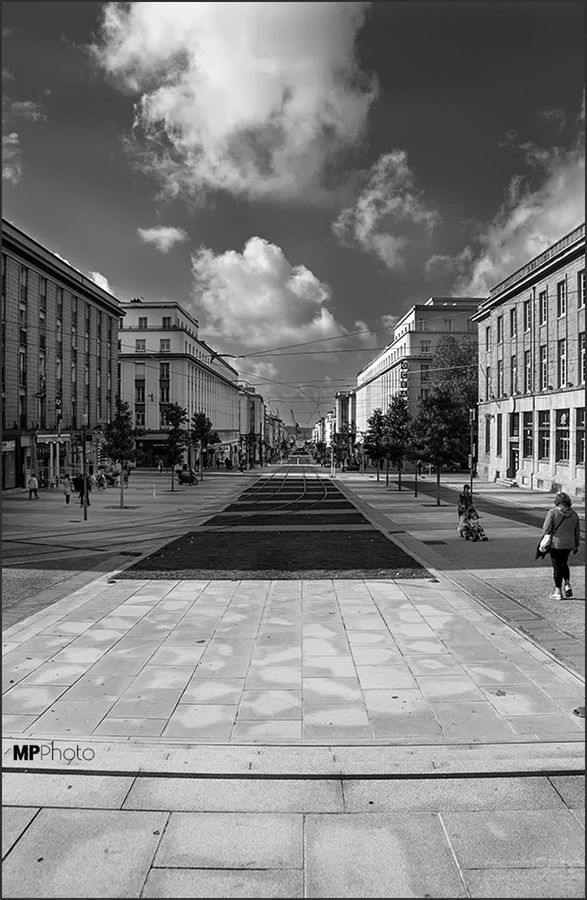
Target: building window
[(488, 383), (580, 437), (164, 345), (500, 329), (513, 322), (448, 324), (23, 284), (140, 344), (142, 322), (488, 338), (543, 307), (582, 357), (424, 393), (527, 371), (515, 425), (543, 372), (562, 447), (527, 435), (163, 417), (562, 363), (164, 371), (581, 289), (527, 316), (514, 373), (139, 391), (544, 434), (561, 298), (163, 392), (42, 293), (140, 417), (498, 451), (22, 380), (424, 374), (60, 302), (4, 266), (500, 385), (424, 346), (166, 322), (488, 435)]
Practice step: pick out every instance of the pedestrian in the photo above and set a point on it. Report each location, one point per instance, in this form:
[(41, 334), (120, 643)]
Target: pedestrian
[(160, 466), (33, 486), (465, 500), (472, 529), (67, 488), (562, 524)]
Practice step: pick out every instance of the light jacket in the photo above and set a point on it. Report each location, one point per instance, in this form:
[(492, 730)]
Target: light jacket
[(568, 533)]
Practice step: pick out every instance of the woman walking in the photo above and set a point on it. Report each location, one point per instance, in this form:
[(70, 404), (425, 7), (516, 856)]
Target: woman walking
[(562, 523), (67, 488)]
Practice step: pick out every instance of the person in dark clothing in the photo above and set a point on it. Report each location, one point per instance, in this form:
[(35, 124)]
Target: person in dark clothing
[(465, 500), (562, 523)]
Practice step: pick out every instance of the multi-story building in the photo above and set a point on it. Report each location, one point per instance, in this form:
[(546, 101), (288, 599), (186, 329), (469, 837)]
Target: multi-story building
[(252, 416), (274, 436), (59, 361), (532, 372), (345, 410), (162, 361), (403, 367)]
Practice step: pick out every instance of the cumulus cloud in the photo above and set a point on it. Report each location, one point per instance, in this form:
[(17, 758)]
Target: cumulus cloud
[(256, 99), (163, 237), (13, 112), (259, 298), (389, 212), (101, 281), (540, 206), (258, 370)]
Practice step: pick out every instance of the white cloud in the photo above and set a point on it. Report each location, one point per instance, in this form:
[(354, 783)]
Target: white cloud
[(259, 298), (14, 111), (163, 237), (389, 213), (101, 281), (257, 370), (253, 98), (539, 208)]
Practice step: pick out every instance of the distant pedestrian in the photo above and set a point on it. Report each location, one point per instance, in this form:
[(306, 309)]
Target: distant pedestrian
[(160, 466), (465, 500), (33, 486), (228, 464), (562, 523), (67, 488)]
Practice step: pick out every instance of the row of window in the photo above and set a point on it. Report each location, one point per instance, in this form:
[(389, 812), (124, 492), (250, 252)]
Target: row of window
[(561, 310), (493, 392), (542, 434)]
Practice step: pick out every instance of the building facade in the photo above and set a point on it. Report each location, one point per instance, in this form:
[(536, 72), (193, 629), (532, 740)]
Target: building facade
[(532, 372), (162, 361), (403, 367), (59, 362)]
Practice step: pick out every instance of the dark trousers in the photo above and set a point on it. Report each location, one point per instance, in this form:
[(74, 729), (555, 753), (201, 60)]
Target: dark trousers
[(31, 492), (67, 498), (560, 568)]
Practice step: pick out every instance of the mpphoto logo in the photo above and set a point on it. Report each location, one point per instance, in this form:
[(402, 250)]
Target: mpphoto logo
[(37, 752)]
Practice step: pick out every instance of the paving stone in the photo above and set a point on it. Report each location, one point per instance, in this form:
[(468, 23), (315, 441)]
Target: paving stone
[(130, 727), (224, 883), (71, 717), (14, 821), (46, 789), (15, 724), (201, 722), (152, 704), (538, 883), (448, 687), (31, 699), (232, 841), (436, 795), (56, 673), (270, 704), (236, 795), (202, 689), (506, 839), (520, 700), (472, 721), (571, 788), (379, 855), (83, 853)]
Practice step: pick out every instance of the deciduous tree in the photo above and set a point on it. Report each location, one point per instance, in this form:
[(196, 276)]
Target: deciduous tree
[(397, 433), (374, 443), (120, 441), (439, 432), (176, 417)]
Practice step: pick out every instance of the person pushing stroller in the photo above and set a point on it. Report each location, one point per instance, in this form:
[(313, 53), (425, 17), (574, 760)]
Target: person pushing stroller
[(470, 527)]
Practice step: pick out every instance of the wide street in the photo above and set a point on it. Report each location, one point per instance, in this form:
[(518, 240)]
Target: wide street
[(279, 683)]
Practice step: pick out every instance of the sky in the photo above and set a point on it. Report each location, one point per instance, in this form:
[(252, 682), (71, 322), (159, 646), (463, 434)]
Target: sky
[(296, 175)]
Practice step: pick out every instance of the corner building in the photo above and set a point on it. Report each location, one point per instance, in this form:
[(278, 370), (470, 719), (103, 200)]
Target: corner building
[(532, 372), (59, 362), (163, 361)]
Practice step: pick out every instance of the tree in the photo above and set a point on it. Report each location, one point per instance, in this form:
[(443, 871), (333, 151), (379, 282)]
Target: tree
[(120, 441), (397, 433), (455, 369), (202, 436), (374, 443), (176, 417), (439, 432)]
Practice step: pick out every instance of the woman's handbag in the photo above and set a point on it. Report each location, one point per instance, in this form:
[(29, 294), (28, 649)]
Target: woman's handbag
[(545, 543)]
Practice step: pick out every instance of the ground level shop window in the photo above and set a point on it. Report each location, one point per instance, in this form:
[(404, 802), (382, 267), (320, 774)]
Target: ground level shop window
[(562, 435), (528, 437), (544, 435), (580, 437)]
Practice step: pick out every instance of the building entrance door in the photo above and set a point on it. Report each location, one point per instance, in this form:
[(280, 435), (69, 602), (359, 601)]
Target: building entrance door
[(514, 462)]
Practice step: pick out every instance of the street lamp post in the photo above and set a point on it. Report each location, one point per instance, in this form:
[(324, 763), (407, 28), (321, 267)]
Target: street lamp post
[(84, 470)]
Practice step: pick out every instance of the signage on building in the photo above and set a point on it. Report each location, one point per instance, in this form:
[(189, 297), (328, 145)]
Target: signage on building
[(8, 446), (50, 438), (404, 364)]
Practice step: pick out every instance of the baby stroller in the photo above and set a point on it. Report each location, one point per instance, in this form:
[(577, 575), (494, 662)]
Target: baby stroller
[(472, 529)]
